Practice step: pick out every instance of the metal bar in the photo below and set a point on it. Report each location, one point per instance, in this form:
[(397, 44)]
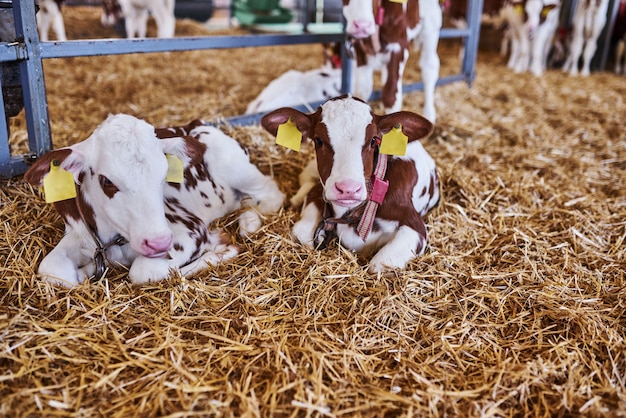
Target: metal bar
[(33, 87), (468, 66)]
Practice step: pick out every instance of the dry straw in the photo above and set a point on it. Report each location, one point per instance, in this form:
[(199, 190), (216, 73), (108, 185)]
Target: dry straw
[(518, 308)]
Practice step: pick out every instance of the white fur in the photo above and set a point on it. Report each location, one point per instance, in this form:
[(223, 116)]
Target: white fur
[(294, 88)]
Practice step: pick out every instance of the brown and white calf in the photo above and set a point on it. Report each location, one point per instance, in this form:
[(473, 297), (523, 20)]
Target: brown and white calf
[(590, 17), (127, 213), (136, 14), (50, 16), (350, 176), (381, 32), (533, 24)]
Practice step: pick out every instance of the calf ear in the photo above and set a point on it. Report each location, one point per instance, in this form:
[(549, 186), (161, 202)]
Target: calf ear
[(187, 148), (65, 157), (413, 125), (272, 120)]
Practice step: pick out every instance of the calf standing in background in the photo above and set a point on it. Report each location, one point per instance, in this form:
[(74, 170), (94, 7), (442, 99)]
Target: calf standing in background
[(125, 212), (533, 24), (381, 31), (373, 202), (49, 15), (135, 14), (589, 19)]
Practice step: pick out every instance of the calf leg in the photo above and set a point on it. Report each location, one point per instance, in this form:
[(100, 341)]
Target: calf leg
[(405, 246), (429, 64), (576, 48), (231, 166), (363, 82), (304, 229), (165, 20), (619, 56), (63, 264)]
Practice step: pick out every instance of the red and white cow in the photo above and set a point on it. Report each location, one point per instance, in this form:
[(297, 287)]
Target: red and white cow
[(533, 24), (125, 211), (590, 17), (50, 16), (373, 202), (136, 13), (381, 31)]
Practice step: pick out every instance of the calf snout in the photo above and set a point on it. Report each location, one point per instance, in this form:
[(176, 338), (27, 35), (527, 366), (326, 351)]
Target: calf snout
[(157, 246), (362, 28), (348, 192)]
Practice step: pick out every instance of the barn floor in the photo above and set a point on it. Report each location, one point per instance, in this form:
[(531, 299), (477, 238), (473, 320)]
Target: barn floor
[(518, 308)]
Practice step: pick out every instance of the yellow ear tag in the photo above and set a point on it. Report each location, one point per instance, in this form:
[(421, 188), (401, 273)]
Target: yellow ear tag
[(289, 136), (174, 169), (519, 9), (394, 142), (58, 184), (398, 1)]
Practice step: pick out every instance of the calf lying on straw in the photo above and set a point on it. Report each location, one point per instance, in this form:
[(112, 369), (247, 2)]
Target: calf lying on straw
[(373, 202), (130, 198)]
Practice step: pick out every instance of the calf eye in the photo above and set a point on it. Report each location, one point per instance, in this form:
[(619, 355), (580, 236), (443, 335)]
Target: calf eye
[(375, 142), (318, 142), (107, 185)]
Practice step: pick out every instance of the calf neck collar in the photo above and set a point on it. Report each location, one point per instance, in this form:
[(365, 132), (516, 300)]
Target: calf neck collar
[(99, 256), (361, 216)]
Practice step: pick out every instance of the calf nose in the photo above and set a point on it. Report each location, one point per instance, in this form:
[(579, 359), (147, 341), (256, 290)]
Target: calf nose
[(157, 246), (362, 28), (348, 189)]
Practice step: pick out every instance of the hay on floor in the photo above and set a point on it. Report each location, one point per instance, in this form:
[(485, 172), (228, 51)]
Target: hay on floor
[(518, 308)]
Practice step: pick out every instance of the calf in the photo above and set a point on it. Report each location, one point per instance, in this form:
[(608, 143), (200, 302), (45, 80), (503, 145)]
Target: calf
[(589, 19), (298, 87), (136, 13), (49, 15), (380, 32), (374, 203), (533, 24), (125, 212)]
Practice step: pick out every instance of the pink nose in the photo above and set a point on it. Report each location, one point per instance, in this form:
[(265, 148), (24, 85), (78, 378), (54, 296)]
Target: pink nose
[(155, 247), (362, 28), (348, 189)]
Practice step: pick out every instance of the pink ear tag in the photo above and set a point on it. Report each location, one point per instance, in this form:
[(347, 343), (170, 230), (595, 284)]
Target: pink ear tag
[(174, 169), (394, 142), (58, 184), (380, 15), (289, 136)]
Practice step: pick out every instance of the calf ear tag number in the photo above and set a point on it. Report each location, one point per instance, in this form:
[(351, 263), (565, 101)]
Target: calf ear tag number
[(289, 136), (58, 184), (174, 169), (394, 142)]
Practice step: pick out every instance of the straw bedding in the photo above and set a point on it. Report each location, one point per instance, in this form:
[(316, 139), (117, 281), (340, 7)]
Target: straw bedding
[(518, 308)]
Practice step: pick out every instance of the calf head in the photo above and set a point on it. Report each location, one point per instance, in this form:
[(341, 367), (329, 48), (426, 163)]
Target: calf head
[(347, 135), (362, 17), (120, 171)]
